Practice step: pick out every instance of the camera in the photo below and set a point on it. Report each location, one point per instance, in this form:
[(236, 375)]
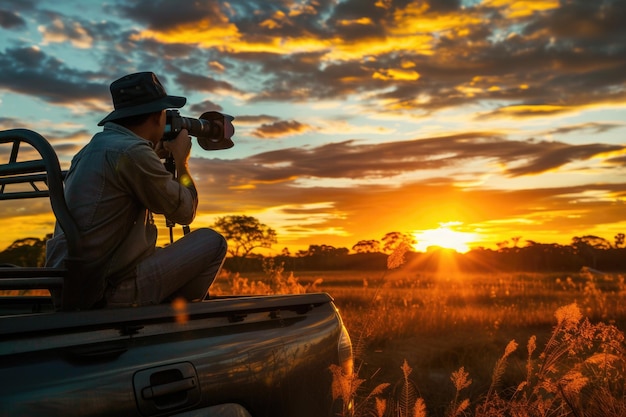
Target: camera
[(212, 129)]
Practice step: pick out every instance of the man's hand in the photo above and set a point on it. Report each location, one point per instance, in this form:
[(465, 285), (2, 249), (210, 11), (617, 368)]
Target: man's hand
[(161, 152), (180, 148)]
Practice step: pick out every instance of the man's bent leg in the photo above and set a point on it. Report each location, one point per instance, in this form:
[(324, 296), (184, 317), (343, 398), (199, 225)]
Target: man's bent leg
[(187, 267)]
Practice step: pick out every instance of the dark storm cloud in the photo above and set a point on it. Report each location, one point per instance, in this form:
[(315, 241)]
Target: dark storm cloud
[(165, 14), (11, 20), (18, 6), (586, 23), (32, 72)]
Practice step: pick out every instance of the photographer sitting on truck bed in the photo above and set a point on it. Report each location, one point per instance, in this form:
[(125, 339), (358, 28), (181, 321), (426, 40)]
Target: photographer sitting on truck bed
[(114, 185)]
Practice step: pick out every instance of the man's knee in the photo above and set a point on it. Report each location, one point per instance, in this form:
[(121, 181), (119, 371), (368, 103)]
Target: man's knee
[(211, 240)]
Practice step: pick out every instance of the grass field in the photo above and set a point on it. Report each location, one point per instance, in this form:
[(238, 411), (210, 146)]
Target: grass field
[(481, 345), (449, 344)]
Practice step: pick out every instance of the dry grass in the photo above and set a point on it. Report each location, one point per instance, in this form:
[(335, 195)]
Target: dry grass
[(449, 345), (579, 372)]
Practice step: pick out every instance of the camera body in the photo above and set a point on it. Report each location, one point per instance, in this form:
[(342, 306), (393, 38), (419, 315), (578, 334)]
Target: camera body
[(213, 130)]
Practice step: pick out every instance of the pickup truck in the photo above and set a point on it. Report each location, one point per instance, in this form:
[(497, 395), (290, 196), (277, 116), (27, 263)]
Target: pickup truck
[(252, 355)]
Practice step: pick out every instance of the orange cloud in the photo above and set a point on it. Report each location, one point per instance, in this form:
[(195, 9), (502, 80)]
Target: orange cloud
[(522, 8)]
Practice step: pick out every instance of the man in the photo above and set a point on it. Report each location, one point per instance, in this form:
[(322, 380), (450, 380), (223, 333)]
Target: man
[(112, 188)]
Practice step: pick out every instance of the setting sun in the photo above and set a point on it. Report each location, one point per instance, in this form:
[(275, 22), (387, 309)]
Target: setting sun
[(444, 237)]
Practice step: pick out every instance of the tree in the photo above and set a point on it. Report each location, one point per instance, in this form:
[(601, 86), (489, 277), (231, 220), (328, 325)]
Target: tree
[(326, 250), (588, 246), (244, 234), (502, 245), (30, 251), (592, 241), (366, 246), (393, 239)]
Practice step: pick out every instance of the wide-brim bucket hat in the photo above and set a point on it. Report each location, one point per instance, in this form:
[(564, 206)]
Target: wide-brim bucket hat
[(139, 93)]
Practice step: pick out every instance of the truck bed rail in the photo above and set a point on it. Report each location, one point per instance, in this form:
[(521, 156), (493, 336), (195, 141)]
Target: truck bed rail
[(45, 178)]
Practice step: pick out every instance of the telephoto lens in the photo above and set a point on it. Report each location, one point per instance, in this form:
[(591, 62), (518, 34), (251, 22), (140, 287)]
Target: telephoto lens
[(213, 130)]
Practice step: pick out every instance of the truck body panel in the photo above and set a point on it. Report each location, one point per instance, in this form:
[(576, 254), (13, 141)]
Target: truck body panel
[(260, 352)]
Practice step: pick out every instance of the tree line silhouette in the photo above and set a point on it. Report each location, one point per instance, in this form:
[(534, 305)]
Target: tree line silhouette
[(585, 251)]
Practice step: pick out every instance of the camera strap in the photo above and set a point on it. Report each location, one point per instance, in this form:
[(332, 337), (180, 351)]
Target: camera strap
[(170, 166)]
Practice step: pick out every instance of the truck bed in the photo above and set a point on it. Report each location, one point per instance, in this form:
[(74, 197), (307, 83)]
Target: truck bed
[(263, 353)]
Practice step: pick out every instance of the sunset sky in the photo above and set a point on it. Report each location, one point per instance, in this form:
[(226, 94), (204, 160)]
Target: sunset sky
[(471, 121)]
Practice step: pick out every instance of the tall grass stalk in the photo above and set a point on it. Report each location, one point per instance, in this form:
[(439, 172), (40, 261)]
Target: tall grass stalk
[(579, 373), (395, 260)]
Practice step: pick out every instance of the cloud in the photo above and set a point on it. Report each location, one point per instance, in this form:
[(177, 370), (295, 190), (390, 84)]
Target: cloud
[(255, 119), (588, 23), (59, 31), (556, 155), (206, 105), (388, 64), (358, 162), (540, 58), (370, 210), (11, 20), (352, 160), (195, 82), (281, 128), (163, 15), (594, 127), (30, 71)]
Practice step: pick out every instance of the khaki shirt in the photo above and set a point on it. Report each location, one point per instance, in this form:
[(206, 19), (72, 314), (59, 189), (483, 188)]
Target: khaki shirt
[(113, 185)]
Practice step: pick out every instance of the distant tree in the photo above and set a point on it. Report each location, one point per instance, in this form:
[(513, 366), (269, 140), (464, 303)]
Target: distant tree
[(367, 246), (326, 250), (502, 245), (588, 247), (30, 251), (244, 234), (592, 241), (619, 240), (392, 239)]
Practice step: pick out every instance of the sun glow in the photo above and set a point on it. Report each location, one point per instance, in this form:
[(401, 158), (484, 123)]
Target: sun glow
[(444, 237)]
